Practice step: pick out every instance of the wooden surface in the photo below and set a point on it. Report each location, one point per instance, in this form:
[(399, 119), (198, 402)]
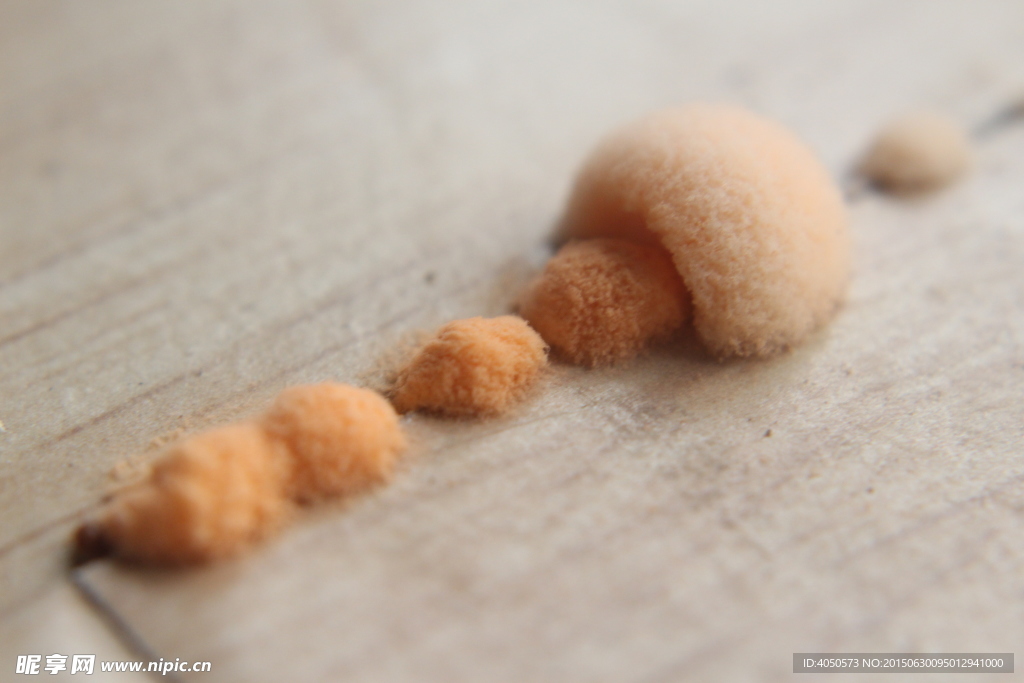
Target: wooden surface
[(202, 203)]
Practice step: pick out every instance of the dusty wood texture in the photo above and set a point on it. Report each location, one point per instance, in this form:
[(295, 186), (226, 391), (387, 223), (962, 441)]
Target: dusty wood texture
[(201, 203), (59, 621)]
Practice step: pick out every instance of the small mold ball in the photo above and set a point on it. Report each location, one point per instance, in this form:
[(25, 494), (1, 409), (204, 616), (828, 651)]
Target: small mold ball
[(472, 367), (754, 224), (917, 152), (209, 497), (603, 300), (342, 439)]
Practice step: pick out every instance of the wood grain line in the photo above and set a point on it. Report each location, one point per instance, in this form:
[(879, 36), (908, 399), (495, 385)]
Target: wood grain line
[(271, 332), (42, 529), (87, 304), (924, 522), (124, 229), (83, 341), (184, 202)]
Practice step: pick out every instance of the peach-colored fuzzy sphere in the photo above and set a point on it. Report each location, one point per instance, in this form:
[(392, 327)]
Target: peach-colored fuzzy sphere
[(755, 225), (210, 496), (603, 300), (477, 366), (341, 439), (916, 152)]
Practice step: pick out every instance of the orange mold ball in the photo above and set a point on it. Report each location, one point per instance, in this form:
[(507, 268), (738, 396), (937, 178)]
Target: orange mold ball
[(210, 496), (916, 152), (603, 300), (753, 222), (477, 366), (341, 439)]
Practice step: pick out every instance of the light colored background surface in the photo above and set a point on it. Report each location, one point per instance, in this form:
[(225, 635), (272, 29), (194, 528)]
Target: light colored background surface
[(202, 203)]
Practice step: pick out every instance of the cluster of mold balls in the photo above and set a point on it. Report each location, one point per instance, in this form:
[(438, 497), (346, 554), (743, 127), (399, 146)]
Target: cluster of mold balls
[(704, 215)]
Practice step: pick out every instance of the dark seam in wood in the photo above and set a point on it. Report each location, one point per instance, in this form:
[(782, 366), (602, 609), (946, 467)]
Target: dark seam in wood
[(124, 632)]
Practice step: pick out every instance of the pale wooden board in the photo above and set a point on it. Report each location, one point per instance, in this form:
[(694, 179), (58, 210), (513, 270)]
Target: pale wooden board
[(636, 524), (59, 621), (201, 203)]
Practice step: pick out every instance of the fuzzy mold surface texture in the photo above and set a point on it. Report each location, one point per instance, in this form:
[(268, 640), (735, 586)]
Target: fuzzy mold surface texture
[(213, 495), (603, 300), (210, 496), (472, 367), (341, 439), (753, 222)]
